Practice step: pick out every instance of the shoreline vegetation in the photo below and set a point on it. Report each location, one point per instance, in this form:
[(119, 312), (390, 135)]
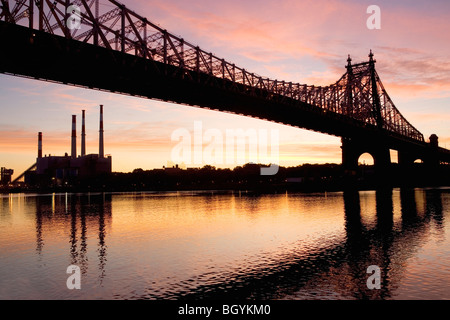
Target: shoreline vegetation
[(303, 178)]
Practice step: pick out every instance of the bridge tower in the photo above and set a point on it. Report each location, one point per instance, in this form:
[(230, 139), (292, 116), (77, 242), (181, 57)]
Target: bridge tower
[(353, 147), (376, 103)]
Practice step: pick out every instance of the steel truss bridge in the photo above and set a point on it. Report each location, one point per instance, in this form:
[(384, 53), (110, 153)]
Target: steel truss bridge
[(112, 48)]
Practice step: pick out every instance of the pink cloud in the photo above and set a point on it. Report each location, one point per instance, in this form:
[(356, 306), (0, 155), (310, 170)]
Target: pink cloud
[(291, 29)]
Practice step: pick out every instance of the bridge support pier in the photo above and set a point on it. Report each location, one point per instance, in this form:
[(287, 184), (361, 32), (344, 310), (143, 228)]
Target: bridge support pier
[(353, 148), (428, 172), (405, 158), (430, 159)]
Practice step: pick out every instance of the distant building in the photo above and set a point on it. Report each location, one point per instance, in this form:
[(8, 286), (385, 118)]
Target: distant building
[(173, 170), (6, 175), (60, 170)]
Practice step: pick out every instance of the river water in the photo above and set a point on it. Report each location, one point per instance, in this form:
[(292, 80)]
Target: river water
[(231, 245)]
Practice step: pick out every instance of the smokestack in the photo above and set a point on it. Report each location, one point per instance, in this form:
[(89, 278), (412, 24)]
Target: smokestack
[(40, 145), (83, 134), (74, 137), (101, 152)]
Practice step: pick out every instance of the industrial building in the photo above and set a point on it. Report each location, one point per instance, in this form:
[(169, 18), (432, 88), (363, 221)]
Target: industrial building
[(73, 168), (5, 177)]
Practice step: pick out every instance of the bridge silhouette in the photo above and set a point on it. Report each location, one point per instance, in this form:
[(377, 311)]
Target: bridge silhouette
[(117, 50)]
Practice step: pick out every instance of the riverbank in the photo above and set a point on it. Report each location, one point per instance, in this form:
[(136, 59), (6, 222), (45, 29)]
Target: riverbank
[(305, 178)]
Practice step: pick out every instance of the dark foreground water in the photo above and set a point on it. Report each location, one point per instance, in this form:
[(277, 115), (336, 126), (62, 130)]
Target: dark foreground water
[(199, 245)]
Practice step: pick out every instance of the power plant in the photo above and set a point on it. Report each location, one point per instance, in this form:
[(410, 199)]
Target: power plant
[(69, 169)]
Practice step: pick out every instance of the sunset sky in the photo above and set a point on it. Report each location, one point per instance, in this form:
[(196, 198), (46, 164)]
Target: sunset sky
[(292, 40)]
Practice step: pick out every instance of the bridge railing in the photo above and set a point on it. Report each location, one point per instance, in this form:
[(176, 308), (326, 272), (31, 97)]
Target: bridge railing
[(112, 25)]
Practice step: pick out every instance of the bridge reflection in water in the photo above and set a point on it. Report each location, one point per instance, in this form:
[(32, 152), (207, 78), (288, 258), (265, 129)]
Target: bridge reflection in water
[(387, 228)]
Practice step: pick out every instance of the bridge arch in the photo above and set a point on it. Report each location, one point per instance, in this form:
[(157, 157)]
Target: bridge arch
[(366, 158)]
